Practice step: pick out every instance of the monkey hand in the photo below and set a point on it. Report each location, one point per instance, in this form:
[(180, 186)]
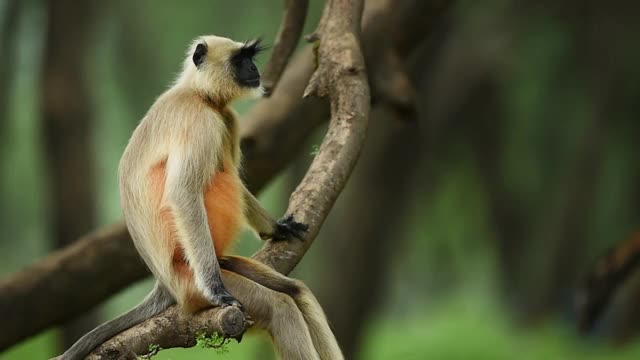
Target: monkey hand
[(221, 297), (287, 227)]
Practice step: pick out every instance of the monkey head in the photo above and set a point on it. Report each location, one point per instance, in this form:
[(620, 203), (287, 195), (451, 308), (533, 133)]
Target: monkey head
[(223, 69)]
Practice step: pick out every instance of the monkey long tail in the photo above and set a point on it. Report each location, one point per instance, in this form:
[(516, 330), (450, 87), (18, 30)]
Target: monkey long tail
[(154, 303)]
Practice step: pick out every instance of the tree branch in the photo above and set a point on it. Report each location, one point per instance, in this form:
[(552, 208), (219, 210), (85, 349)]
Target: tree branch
[(55, 288), (172, 329), (293, 20), (341, 75)]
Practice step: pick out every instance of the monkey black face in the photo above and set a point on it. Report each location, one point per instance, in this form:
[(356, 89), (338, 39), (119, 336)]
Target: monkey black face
[(244, 69)]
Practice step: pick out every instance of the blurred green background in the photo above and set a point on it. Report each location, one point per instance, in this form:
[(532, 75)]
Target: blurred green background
[(463, 233)]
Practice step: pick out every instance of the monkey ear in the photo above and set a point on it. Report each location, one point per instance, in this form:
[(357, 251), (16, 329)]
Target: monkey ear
[(200, 54)]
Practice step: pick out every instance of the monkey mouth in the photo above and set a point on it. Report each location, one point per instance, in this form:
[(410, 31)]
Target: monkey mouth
[(252, 82)]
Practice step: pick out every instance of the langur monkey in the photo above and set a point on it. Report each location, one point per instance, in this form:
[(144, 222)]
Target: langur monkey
[(184, 203)]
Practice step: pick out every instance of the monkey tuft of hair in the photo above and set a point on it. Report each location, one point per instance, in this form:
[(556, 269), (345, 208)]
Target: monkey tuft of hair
[(253, 48)]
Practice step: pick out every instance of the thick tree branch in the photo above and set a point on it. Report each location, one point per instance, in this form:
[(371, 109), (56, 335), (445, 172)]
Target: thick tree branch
[(272, 134), (67, 121), (295, 13), (172, 329), (55, 288), (340, 75)]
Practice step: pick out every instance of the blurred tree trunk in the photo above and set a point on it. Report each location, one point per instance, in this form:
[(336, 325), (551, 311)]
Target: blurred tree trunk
[(623, 314), (8, 36), (137, 75), (67, 123), (561, 243), (611, 68), (627, 326), (467, 103), (560, 251), (363, 233), (539, 264), (486, 134), (539, 268)]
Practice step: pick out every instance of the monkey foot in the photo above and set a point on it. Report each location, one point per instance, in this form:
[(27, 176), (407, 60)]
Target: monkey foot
[(222, 298)]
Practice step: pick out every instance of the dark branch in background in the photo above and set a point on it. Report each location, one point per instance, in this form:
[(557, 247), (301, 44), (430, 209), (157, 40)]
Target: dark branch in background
[(272, 134), (8, 36), (67, 283), (486, 136), (385, 23), (295, 13), (605, 277), (564, 229), (67, 123)]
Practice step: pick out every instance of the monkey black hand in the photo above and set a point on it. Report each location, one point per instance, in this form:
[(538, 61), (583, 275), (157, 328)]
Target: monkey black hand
[(287, 227)]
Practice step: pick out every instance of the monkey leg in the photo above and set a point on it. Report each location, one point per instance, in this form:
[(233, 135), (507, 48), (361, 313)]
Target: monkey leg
[(323, 339), (275, 312)]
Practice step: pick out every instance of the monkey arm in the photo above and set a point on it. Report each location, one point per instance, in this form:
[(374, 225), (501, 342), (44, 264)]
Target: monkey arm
[(267, 228), (257, 217), (184, 197)]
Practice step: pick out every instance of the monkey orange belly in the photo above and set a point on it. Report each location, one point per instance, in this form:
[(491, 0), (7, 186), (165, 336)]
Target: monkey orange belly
[(223, 202)]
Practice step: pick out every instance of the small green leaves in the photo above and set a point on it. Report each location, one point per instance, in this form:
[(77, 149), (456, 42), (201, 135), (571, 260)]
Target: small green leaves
[(214, 341), (154, 349)]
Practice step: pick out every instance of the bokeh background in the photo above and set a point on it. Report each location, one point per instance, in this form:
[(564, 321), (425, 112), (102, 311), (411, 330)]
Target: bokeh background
[(464, 231)]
